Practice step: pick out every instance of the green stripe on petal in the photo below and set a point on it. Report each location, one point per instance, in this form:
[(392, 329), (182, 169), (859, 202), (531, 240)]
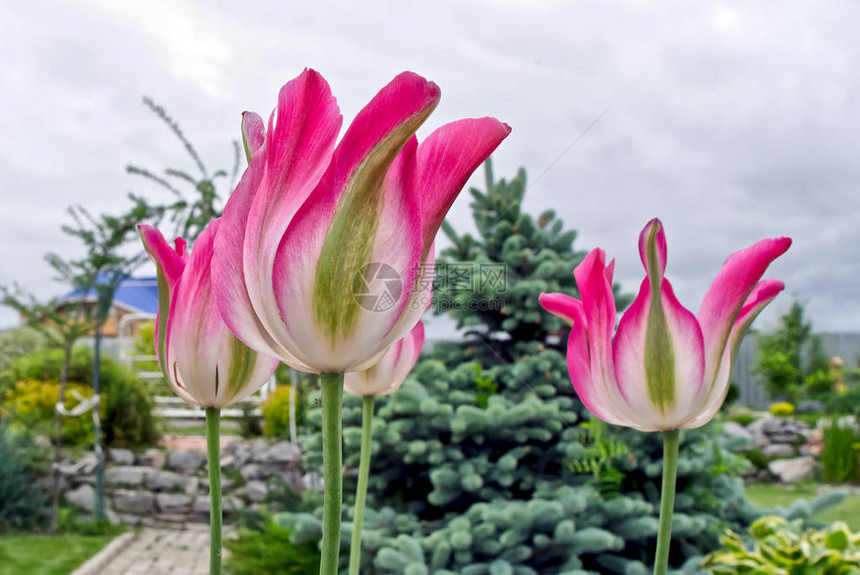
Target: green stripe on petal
[(243, 360), (659, 352), (351, 236)]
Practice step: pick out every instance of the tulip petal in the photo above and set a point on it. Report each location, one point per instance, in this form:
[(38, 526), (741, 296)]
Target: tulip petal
[(253, 133), (594, 394), (564, 306), (228, 285), (281, 175), (169, 264), (677, 368), (194, 328), (652, 247), (589, 352), (361, 213), (598, 304), (395, 250), (658, 350), (446, 160), (597, 394), (712, 397), (727, 294), (204, 359), (169, 261), (389, 373)]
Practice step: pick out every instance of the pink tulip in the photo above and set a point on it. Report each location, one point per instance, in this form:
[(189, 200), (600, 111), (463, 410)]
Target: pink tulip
[(202, 361), (666, 368), (387, 375), (319, 258)]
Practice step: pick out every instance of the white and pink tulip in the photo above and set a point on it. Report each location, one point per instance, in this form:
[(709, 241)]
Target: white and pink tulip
[(388, 374), (201, 359), (310, 214), (665, 368)]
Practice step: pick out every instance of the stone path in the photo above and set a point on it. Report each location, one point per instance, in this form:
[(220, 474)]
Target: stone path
[(160, 552)]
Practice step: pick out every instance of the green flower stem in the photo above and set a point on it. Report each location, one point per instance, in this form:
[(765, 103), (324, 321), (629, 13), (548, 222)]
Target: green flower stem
[(667, 500), (332, 402), (213, 448), (361, 491)]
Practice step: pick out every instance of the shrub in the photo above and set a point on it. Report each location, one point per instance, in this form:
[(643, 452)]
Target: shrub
[(782, 409), (15, 343), (757, 458), (249, 422), (790, 357), (780, 546), (276, 413), (847, 402), (129, 421), (22, 497), (270, 551), (127, 404), (742, 418), (30, 405), (819, 383), (839, 457), (73, 522)]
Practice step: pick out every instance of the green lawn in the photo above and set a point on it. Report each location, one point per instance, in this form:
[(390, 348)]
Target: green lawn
[(47, 555), (766, 496)]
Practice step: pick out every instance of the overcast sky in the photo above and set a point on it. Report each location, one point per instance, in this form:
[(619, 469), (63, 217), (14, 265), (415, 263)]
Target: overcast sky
[(729, 122)]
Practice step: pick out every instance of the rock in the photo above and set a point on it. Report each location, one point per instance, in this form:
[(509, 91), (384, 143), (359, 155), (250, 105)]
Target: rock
[(772, 425), (185, 460), (791, 470), (120, 456), (83, 497), (159, 480), (250, 471), (811, 406), (42, 442), (152, 457), (787, 438), (172, 502), (313, 481), (233, 504), (756, 425), (126, 475), (293, 478), (137, 502), (255, 491), (228, 462), (112, 516), (129, 520), (258, 447), (778, 450), (201, 505), (733, 429), (228, 504), (281, 452)]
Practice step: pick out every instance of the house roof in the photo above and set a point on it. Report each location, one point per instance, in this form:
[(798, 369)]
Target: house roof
[(134, 294)]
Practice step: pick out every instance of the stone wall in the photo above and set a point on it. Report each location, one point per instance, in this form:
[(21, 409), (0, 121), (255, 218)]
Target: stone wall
[(159, 486), (791, 446)]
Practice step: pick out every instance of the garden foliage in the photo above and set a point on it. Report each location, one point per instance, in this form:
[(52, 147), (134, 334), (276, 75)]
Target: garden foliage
[(23, 498), (126, 409), (840, 458), (792, 360), (485, 461), (781, 547)]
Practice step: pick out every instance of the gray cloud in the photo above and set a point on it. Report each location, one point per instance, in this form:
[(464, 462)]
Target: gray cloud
[(731, 124)]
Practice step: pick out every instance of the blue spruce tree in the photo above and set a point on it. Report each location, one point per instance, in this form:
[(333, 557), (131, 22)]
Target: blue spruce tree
[(486, 463)]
